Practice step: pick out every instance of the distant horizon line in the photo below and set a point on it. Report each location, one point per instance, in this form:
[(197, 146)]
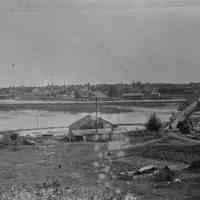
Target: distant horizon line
[(99, 83)]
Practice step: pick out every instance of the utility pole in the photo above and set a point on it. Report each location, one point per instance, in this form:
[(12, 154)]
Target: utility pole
[(37, 119), (96, 114)]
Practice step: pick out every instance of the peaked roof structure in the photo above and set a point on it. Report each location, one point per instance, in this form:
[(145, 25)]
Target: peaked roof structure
[(99, 94), (89, 122)]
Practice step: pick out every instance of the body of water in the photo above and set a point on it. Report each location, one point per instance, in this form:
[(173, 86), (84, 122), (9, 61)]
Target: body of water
[(28, 119)]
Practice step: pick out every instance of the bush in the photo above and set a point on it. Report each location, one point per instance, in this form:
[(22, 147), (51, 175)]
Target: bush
[(154, 123), (14, 136), (184, 126)]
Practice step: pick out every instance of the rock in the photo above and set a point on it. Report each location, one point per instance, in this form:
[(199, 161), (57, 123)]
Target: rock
[(146, 170), (28, 142), (164, 174), (177, 180)]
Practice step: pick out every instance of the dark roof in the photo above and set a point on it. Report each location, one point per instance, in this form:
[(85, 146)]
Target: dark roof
[(99, 94), (89, 121)]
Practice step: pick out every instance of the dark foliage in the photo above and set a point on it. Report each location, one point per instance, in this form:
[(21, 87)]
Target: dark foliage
[(14, 137), (184, 127), (154, 123)]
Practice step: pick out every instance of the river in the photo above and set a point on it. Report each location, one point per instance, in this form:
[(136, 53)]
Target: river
[(28, 119)]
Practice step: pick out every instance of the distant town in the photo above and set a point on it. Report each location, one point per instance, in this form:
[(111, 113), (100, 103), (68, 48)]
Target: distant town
[(89, 92)]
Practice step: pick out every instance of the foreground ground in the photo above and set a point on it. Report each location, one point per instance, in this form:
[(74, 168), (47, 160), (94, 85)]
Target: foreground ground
[(56, 170)]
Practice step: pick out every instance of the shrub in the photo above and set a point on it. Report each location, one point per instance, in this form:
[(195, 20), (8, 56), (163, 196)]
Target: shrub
[(154, 123), (184, 127), (14, 136)]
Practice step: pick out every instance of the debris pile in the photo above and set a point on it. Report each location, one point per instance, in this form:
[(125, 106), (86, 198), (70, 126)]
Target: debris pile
[(159, 175), (146, 170)]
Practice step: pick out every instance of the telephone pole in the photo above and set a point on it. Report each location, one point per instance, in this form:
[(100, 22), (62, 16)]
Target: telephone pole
[(96, 114)]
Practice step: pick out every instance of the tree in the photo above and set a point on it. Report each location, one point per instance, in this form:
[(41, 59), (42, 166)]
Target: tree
[(154, 123)]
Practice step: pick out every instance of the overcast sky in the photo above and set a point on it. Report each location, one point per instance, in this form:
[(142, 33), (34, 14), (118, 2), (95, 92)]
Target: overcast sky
[(79, 41)]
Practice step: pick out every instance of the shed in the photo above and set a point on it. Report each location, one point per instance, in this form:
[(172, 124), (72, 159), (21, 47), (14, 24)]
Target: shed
[(88, 126)]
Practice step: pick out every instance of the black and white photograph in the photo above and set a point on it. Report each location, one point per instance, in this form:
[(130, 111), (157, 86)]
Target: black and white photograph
[(99, 99)]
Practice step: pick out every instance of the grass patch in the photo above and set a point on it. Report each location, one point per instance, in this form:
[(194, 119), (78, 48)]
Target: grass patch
[(176, 153)]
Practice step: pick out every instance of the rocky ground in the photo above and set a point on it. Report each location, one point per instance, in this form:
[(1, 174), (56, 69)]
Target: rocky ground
[(55, 170)]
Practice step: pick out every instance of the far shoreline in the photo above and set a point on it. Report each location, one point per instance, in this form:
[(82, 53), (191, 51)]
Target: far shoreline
[(116, 106)]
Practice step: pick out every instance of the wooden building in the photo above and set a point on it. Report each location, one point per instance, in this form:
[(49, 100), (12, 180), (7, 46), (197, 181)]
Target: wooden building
[(92, 129)]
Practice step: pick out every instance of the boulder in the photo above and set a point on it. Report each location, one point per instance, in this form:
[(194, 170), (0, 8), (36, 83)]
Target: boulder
[(146, 170), (28, 142)]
